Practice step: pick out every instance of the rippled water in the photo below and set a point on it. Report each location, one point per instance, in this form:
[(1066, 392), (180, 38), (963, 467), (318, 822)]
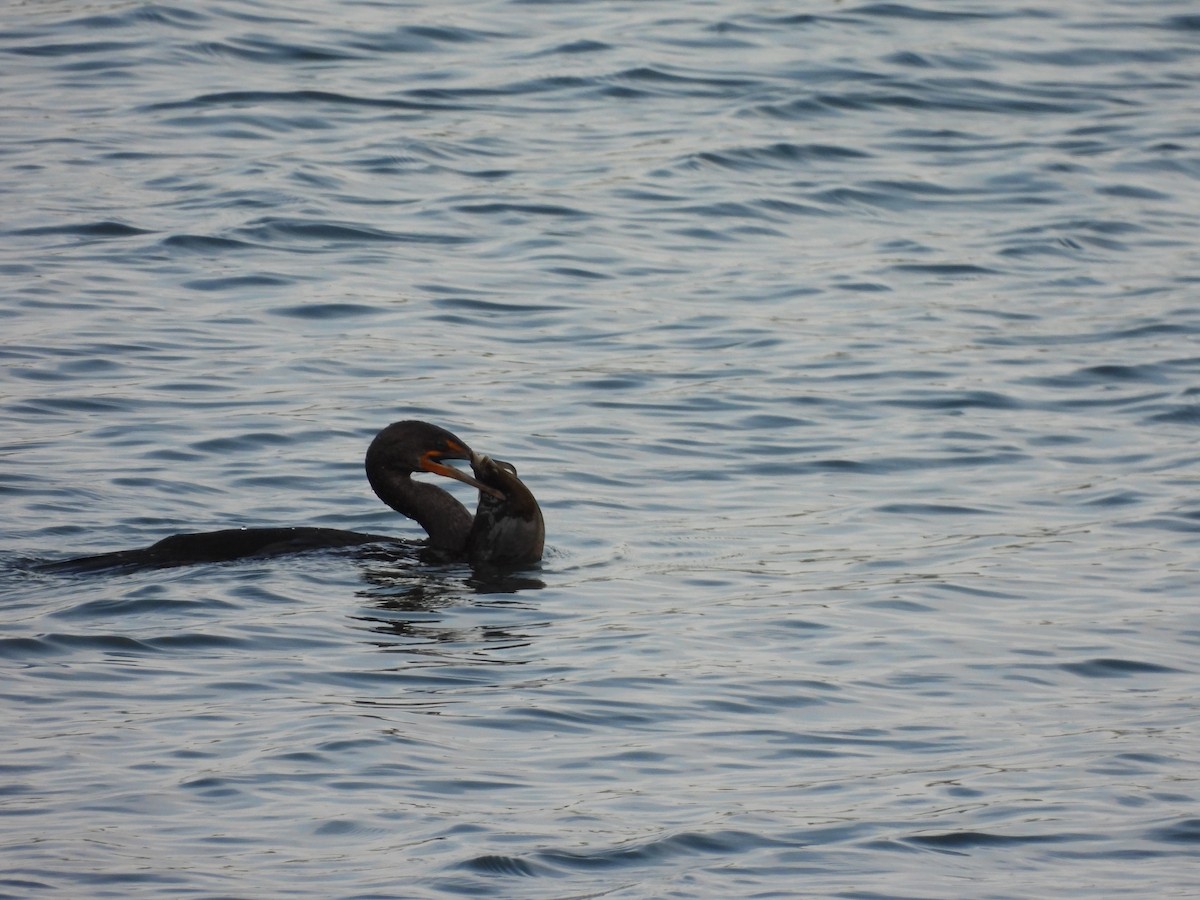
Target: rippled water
[(850, 348)]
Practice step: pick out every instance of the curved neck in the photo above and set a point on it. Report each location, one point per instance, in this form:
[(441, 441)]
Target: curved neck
[(506, 532), (445, 520)]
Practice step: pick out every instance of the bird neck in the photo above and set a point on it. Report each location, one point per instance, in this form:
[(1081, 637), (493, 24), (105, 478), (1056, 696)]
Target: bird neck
[(445, 520), (506, 532)]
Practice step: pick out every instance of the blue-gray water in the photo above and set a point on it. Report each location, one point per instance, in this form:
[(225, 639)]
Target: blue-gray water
[(850, 348)]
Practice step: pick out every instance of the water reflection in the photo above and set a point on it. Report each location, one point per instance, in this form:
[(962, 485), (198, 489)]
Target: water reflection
[(435, 640), (446, 613), (402, 572)]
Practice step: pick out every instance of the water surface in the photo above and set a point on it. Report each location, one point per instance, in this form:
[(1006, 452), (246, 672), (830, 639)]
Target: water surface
[(850, 348)]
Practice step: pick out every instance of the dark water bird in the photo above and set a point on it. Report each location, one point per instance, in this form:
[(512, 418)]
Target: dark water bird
[(508, 530)]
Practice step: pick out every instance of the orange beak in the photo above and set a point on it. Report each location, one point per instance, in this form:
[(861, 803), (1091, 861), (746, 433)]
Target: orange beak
[(431, 462)]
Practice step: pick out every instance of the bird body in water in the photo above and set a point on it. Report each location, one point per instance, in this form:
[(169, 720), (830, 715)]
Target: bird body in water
[(507, 531)]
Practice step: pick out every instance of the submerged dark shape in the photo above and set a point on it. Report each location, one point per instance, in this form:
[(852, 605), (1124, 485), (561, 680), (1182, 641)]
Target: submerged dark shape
[(396, 452), (508, 530), (217, 546)]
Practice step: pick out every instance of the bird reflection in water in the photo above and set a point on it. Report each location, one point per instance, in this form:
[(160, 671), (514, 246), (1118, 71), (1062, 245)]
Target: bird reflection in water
[(420, 612), (506, 533)]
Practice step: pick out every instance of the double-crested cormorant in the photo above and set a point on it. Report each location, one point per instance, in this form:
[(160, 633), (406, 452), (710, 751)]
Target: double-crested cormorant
[(507, 532), (508, 529)]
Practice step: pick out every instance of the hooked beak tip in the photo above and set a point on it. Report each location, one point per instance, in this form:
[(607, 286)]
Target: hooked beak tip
[(437, 468)]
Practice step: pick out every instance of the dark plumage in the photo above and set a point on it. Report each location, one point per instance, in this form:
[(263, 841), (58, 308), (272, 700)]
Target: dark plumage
[(393, 456), (508, 530)]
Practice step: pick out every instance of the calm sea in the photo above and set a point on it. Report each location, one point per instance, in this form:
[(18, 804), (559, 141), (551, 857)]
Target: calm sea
[(851, 349)]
